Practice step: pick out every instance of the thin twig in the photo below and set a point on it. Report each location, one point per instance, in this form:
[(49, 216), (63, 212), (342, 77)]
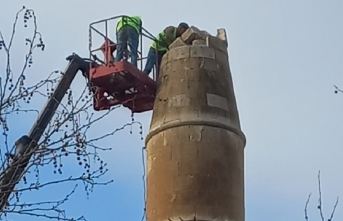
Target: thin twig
[(320, 204), (333, 210), (306, 206)]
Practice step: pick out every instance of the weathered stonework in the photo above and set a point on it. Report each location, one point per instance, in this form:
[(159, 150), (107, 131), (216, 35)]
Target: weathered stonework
[(199, 42), (177, 43), (192, 34), (195, 147)]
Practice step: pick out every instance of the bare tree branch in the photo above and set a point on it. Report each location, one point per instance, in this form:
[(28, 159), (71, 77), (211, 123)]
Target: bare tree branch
[(306, 206), (320, 204)]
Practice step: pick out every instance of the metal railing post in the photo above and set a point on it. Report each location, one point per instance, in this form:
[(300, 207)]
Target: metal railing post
[(107, 56)]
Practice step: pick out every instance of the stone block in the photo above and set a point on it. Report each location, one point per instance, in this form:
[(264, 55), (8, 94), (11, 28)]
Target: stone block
[(221, 34), (204, 34), (199, 51), (177, 43), (199, 42), (181, 100), (217, 101), (191, 34), (217, 43), (210, 65), (179, 53)]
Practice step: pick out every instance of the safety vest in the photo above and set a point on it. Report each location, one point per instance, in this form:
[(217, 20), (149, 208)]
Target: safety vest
[(133, 21), (160, 43)]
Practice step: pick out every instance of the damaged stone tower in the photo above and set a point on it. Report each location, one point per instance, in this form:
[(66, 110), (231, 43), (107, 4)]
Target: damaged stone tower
[(195, 147)]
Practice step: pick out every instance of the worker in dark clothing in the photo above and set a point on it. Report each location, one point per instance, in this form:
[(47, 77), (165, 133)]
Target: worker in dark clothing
[(161, 45), (128, 30)]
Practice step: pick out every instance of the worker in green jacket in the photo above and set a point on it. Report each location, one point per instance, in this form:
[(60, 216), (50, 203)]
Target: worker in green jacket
[(128, 31), (161, 45)]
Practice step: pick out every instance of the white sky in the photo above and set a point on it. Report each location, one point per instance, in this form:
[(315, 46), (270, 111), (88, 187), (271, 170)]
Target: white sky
[(285, 57)]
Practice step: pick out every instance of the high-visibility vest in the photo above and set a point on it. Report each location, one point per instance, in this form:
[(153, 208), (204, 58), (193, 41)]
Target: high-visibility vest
[(133, 21), (160, 43)]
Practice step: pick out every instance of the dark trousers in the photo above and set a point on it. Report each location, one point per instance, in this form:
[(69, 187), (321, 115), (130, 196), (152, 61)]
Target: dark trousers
[(127, 35), (154, 59)]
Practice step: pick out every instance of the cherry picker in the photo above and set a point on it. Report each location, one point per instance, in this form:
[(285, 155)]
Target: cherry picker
[(112, 84)]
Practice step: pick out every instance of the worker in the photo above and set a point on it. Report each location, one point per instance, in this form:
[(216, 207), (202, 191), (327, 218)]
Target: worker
[(161, 45), (128, 31)]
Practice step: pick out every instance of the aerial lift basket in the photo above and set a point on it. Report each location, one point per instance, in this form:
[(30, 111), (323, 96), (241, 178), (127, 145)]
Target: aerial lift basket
[(118, 83)]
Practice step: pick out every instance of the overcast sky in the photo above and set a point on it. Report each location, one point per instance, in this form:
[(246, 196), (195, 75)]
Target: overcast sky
[(285, 57)]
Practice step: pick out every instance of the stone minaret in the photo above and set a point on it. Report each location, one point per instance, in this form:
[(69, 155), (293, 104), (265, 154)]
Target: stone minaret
[(195, 147)]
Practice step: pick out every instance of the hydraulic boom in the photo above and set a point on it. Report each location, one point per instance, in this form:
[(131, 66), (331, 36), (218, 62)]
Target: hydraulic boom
[(15, 170)]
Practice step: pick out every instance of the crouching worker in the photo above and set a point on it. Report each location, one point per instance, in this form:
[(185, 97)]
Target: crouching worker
[(128, 30), (161, 45)]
